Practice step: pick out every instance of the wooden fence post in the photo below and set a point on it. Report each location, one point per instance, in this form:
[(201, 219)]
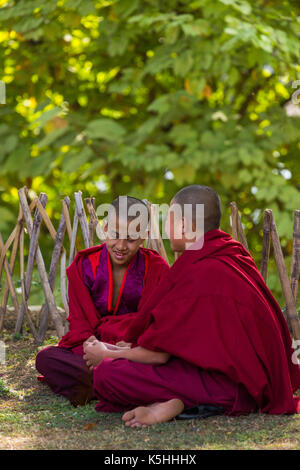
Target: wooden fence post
[(44, 314), (34, 234), (234, 215), (295, 255), (266, 244), (9, 281), (82, 219), (237, 227), (291, 307), (41, 268)]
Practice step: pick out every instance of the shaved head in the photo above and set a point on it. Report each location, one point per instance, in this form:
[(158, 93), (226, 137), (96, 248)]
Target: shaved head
[(122, 204), (128, 209), (197, 194)]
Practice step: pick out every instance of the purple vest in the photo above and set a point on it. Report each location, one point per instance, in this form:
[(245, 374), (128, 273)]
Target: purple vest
[(101, 286)]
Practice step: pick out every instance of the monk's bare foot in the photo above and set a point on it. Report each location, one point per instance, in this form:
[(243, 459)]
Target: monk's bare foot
[(144, 416)]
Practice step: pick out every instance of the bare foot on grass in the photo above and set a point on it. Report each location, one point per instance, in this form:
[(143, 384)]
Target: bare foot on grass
[(144, 416)]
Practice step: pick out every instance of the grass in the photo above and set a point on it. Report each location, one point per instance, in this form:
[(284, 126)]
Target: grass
[(31, 417)]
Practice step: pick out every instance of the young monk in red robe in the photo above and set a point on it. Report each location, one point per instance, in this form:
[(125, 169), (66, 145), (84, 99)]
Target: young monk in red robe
[(108, 284), (212, 333)]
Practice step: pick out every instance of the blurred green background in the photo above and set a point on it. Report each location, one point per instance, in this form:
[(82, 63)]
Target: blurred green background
[(144, 97)]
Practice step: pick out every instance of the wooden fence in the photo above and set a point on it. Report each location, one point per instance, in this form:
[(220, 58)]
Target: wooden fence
[(32, 214)]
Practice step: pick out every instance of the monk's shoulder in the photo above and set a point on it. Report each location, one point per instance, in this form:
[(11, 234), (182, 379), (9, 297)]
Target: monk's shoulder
[(94, 250), (215, 277), (154, 257)]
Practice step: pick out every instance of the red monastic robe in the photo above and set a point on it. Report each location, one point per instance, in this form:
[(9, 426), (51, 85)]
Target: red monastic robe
[(91, 313), (213, 310), (90, 305)]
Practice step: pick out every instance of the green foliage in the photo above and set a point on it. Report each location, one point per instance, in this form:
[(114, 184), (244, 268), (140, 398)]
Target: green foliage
[(127, 91)]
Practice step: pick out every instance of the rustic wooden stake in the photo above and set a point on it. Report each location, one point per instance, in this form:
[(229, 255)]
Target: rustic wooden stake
[(46, 219), (59, 237), (11, 267), (241, 233), (24, 305), (266, 244), (234, 221), (291, 307), (15, 233), (10, 283), (13, 257), (67, 219), (34, 234), (63, 288), (295, 255), (237, 227), (93, 221), (41, 267), (73, 238), (82, 218)]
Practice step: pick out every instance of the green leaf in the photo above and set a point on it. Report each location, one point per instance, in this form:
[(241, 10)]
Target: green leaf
[(28, 24), (73, 161), (196, 28), (124, 8), (12, 162), (41, 165), (240, 5), (117, 46), (52, 136), (47, 116), (10, 143), (183, 63), (197, 85), (106, 129)]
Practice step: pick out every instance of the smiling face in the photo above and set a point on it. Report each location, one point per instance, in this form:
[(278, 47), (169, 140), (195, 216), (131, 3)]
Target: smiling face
[(122, 242)]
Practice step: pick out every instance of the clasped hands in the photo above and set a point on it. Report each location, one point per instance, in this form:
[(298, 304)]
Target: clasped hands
[(95, 351)]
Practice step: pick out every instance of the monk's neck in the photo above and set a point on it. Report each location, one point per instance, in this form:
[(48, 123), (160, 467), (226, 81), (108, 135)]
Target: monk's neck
[(118, 268)]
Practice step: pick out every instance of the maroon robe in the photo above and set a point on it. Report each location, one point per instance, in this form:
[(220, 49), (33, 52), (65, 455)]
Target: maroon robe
[(90, 294), (215, 315), (91, 313)]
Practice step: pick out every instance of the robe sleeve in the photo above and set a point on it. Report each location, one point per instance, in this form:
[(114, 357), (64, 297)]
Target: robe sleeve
[(83, 318)]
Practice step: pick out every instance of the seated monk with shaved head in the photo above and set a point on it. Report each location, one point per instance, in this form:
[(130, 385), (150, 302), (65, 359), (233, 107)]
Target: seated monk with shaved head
[(108, 284), (212, 333)]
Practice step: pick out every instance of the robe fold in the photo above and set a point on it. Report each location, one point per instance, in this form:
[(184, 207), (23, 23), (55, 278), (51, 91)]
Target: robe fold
[(214, 310), (90, 294)]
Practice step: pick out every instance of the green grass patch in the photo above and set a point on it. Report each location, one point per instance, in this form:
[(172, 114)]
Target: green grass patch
[(32, 417)]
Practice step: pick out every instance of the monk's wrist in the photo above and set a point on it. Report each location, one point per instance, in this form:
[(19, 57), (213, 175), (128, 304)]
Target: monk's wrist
[(114, 354)]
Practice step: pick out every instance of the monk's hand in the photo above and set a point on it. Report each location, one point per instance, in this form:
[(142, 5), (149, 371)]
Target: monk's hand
[(123, 344), (91, 339), (94, 353)]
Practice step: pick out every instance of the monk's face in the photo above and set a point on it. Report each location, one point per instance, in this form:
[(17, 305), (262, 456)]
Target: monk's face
[(121, 244), (174, 230)]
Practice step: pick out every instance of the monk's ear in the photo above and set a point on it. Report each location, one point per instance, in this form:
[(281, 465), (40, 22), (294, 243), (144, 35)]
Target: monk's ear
[(105, 226), (146, 234), (143, 237)]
